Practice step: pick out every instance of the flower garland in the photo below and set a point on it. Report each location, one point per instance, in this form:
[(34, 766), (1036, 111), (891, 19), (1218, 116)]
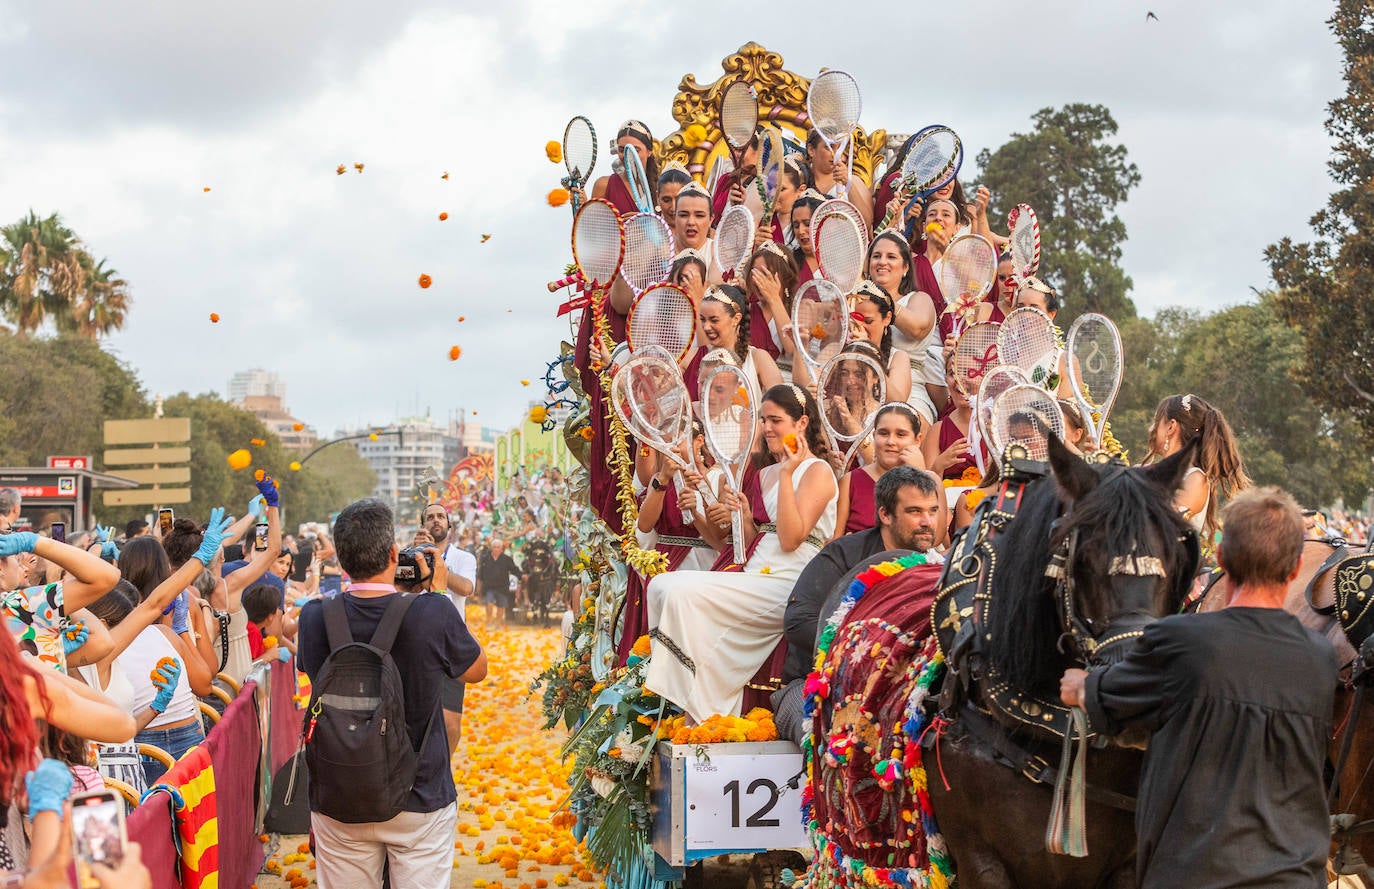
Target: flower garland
[(832, 866), (647, 562)]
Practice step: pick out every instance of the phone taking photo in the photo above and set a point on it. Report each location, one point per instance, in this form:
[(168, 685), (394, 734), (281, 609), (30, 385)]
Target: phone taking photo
[(58, 530), (98, 833), (260, 536), (164, 522)]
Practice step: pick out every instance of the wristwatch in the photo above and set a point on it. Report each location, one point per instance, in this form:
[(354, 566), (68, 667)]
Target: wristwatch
[(655, 484)]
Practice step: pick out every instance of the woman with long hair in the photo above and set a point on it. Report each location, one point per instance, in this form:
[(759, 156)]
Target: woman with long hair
[(770, 279), (830, 175), (889, 265), (615, 187), (804, 249), (717, 628), (1218, 472), (897, 433)]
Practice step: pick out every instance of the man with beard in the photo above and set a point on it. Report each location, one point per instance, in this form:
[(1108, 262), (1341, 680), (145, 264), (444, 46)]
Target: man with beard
[(460, 581), (911, 515)]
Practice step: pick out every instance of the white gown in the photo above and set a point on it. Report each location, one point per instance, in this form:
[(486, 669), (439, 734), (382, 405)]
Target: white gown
[(717, 628)]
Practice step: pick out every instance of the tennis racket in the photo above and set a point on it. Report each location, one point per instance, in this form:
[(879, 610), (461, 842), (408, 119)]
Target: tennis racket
[(967, 271), (729, 417), (662, 316), (739, 116), (734, 238), (1024, 230), (650, 397), (770, 173), (931, 163), (598, 246), (975, 353), (996, 381), (1027, 340), (820, 323), (640, 190), (648, 251), (833, 103), (852, 388), (1022, 420), (841, 206), (579, 156), (840, 249), (1095, 368), (709, 362)]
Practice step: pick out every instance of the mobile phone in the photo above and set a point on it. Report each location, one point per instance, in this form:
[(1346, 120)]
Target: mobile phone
[(58, 531), (164, 522), (98, 833), (260, 536)]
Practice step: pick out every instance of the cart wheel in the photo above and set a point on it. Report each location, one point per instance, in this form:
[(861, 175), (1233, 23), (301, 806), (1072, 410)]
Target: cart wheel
[(765, 869)]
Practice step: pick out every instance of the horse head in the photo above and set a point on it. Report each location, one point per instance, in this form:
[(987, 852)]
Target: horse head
[(1122, 554), (1094, 554)]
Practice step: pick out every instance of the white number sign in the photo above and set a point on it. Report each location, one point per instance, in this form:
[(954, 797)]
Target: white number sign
[(744, 803)]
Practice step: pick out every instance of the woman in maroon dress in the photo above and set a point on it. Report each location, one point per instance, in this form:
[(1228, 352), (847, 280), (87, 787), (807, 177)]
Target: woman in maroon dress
[(947, 451), (897, 434), (616, 188), (771, 279), (804, 252)]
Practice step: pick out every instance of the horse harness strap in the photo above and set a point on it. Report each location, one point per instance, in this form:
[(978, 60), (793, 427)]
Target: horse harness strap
[(983, 728)]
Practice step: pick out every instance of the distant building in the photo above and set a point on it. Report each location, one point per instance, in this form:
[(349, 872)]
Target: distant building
[(405, 451), (278, 420), (255, 382)]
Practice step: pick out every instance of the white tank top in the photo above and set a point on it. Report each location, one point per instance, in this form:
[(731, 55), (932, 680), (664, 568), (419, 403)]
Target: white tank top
[(120, 690), (138, 661)]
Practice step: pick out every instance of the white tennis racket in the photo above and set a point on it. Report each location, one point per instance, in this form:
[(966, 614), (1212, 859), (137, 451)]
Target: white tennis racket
[(820, 323), (662, 316), (1095, 369), (967, 271), (975, 353), (648, 251), (1027, 340), (843, 207), (734, 238), (1025, 416), (852, 387), (840, 250), (729, 416), (650, 397), (640, 189), (579, 156), (996, 381), (834, 103), (770, 173), (932, 161), (739, 116), (1024, 229)]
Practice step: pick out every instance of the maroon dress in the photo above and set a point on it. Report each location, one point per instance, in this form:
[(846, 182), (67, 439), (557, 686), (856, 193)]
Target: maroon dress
[(862, 505), (927, 283), (618, 193), (670, 524), (949, 434)]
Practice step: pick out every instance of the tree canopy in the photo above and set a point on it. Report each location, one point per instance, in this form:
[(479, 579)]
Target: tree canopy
[(48, 275)]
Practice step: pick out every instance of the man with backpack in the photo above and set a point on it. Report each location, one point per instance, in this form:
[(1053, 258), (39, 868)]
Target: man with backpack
[(381, 792)]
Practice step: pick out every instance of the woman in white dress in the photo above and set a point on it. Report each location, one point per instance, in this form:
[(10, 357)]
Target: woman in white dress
[(717, 628), (1217, 473)]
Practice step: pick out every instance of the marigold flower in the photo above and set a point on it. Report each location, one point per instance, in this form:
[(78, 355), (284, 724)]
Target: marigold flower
[(454, 353), (742, 397), (934, 227), (240, 459), (553, 151), (524, 382), (425, 281), (358, 167), (789, 441), (558, 197), (206, 188), (443, 217), (694, 135), (214, 317), (538, 413), (642, 646), (587, 433), (341, 169), (974, 497), (461, 319), (818, 332)]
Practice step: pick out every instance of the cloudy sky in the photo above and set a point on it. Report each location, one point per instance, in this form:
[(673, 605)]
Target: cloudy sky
[(118, 115)]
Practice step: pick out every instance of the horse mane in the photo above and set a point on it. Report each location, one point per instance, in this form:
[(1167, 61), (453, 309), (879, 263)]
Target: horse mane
[(1022, 617), (1125, 514)]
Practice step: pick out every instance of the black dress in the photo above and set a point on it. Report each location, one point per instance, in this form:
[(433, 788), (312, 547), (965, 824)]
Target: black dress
[(1239, 703)]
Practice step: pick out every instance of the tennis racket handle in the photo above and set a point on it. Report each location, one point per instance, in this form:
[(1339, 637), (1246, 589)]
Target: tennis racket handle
[(555, 286), (737, 537), (687, 515)]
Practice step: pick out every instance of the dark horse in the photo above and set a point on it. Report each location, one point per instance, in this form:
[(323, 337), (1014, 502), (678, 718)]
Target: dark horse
[(992, 817)]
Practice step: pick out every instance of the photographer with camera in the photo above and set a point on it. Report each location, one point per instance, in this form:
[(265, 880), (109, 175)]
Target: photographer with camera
[(457, 575)]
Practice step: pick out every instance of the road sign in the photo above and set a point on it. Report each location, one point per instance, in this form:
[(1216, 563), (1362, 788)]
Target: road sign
[(164, 475), (148, 497), (161, 429), (146, 456)]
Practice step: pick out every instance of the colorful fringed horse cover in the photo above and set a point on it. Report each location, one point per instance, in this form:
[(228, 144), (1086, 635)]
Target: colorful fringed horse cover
[(865, 803)]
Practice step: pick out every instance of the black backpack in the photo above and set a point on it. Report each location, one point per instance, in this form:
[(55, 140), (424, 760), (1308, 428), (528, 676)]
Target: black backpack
[(359, 754)]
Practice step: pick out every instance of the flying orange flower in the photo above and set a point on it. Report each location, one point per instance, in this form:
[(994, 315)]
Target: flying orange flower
[(240, 459), (425, 281), (443, 217), (257, 442), (524, 382), (486, 238), (553, 151), (358, 167), (454, 353), (294, 466), (297, 427), (206, 188), (341, 169), (444, 177), (214, 317), (462, 318), (539, 413), (558, 197)]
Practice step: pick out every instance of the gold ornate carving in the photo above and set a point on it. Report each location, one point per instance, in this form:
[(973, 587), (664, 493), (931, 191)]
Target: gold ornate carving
[(782, 103)]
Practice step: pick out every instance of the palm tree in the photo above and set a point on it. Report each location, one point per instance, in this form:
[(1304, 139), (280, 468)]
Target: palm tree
[(101, 305), (46, 274)]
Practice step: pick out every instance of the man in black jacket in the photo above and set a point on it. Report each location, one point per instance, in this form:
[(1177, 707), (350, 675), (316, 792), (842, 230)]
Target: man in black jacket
[(911, 515)]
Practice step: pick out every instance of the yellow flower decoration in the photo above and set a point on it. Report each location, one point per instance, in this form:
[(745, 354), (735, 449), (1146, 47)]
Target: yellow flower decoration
[(553, 151)]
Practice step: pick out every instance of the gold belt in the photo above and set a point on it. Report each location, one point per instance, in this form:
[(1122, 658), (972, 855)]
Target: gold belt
[(813, 538)]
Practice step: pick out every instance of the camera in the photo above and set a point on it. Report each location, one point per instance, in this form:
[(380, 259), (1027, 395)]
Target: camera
[(408, 570)]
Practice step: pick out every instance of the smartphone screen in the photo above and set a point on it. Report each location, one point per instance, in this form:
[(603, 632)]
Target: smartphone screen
[(164, 522), (260, 536), (98, 827), (59, 532)]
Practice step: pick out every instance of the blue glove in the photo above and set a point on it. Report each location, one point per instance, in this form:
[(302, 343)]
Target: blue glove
[(214, 536), (109, 550), (300, 601), (48, 787), (181, 614), (104, 532), (257, 507), (17, 542), (268, 489), (167, 686), (82, 633), (284, 655)]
